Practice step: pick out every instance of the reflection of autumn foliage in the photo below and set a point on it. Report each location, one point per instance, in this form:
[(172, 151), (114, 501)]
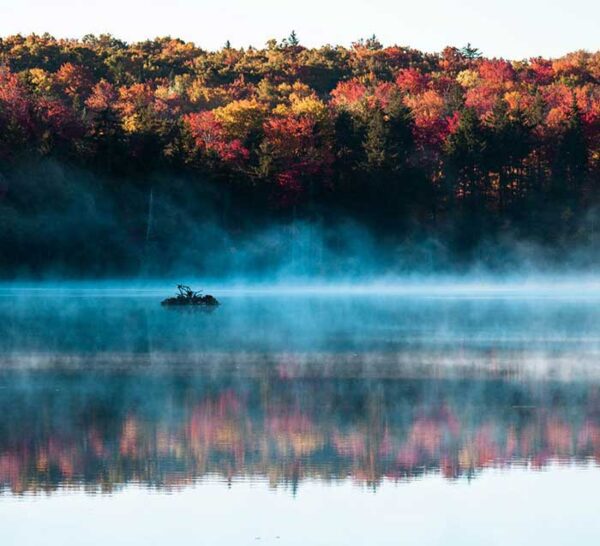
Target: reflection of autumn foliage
[(218, 425), (294, 433), (286, 437)]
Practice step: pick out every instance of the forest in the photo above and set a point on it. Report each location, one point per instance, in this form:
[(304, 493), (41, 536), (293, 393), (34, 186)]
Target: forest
[(114, 156)]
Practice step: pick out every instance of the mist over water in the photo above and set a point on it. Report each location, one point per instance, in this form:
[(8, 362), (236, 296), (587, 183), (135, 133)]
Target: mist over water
[(396, 387), (102, 317)]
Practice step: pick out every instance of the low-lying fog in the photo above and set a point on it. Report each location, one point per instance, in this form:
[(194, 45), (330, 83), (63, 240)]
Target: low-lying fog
[(389, 324)]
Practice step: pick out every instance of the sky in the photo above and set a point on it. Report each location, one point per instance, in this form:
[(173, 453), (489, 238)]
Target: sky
[(513, 29)]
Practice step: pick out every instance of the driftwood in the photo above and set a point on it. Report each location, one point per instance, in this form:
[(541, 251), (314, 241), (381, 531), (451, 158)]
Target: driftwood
[(186, 296)]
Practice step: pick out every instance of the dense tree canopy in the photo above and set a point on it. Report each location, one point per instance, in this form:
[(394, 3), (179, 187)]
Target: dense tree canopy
[(389, 135)]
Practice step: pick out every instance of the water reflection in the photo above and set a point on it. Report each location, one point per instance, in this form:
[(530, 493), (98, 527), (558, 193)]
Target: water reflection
[(165, 430), (101, 392)]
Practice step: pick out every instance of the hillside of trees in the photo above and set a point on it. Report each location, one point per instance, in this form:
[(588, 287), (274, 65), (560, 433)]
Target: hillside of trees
[(132, 146)]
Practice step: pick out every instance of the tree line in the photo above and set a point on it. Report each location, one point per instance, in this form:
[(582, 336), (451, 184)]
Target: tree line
[(393, 137)]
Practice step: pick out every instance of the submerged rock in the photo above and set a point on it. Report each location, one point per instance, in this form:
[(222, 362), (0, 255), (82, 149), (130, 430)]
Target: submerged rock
[(187, 296)]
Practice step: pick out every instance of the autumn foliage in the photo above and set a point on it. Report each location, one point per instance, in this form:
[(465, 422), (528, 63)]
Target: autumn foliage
[(425, 137)]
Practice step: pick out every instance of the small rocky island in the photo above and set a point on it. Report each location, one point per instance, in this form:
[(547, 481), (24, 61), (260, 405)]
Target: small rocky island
[(186, 296)]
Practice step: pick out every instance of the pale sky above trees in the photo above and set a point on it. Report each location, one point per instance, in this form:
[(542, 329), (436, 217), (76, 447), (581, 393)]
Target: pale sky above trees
[(507, 28)]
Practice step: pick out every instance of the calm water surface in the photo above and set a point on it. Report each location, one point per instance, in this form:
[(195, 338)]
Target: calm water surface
[(299, 419)]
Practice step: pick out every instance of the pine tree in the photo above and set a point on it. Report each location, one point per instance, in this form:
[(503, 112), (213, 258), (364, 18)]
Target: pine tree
[(293, 39)]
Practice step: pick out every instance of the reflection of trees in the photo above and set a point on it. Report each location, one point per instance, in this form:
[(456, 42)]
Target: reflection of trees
[(167, 431)]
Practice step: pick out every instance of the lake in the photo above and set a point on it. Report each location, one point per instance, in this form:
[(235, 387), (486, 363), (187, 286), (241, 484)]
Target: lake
[(429, 417)]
